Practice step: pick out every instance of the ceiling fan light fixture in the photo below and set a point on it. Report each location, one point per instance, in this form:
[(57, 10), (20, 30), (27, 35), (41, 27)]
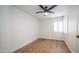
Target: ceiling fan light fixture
[(46, 13)]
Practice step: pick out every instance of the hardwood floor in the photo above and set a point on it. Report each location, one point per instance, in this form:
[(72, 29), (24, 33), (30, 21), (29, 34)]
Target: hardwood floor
[(45, 46)]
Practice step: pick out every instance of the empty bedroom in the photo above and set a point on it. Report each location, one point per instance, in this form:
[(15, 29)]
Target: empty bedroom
[(39, 28)]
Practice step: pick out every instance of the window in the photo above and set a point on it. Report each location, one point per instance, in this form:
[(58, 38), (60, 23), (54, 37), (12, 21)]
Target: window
[(58, 26), (55, 26)]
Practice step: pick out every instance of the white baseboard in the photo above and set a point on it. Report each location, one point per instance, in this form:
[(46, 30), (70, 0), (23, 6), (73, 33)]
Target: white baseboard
[(23, 45), (52, 38), (69, 46)]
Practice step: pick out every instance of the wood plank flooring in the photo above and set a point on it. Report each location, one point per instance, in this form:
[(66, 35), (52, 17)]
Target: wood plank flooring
[(45, 46)]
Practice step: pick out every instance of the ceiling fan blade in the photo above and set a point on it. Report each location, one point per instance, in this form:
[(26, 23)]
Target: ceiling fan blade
[(42, 7), (40, 12), (52, 7), (50, 12)]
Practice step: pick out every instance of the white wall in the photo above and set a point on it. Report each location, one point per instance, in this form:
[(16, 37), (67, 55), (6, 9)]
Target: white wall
[(17, 28), (70, 30), (4, 28), (47, 28)]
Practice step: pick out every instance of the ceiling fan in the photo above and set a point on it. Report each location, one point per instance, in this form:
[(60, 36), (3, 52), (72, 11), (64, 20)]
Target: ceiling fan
[(46, 10)]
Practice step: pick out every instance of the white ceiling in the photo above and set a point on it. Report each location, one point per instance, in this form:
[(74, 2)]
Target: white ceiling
[(60, 10)]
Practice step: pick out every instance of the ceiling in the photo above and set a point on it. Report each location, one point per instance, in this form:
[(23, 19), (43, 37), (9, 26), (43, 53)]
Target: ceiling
[(60, 10)]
